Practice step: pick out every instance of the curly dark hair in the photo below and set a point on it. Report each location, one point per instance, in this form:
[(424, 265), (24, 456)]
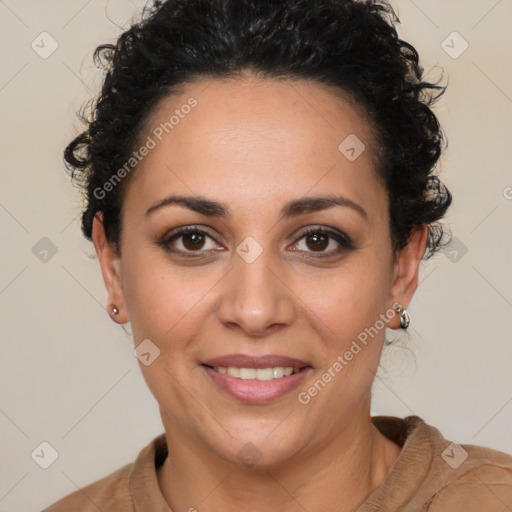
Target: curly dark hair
[(352, 45)]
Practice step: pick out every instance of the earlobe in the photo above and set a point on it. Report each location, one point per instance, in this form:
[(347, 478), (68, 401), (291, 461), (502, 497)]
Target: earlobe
[(110, 264), (405, 280)]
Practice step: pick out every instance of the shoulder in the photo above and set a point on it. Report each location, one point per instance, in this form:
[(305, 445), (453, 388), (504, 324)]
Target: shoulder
[(483, 481), (132, 487), (109, 493), (435, 474)]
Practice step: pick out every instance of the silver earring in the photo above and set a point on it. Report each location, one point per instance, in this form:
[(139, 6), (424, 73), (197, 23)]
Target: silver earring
[(114, 311), (404, 316)]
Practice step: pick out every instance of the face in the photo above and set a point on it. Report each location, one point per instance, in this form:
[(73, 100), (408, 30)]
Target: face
[(286, 264)]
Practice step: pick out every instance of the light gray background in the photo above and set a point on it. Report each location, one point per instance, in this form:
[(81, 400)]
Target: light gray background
[(68, 375)]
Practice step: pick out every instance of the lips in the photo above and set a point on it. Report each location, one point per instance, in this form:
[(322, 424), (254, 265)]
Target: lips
[(247, 361), (256, 391), (276, 376)]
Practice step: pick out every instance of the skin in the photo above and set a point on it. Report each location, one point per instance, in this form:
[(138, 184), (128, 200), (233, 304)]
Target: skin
[(254, 145)]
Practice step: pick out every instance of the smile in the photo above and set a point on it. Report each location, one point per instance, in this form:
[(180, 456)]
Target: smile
[(256, 385), (263, 374)]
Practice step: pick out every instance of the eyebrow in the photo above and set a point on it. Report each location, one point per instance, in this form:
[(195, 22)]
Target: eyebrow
[(291, 209)]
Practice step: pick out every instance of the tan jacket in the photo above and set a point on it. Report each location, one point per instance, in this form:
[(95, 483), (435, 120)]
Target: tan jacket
[(430, 474)]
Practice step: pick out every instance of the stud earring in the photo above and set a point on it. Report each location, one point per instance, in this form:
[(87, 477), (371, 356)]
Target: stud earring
[(114, 310), (403, 315)]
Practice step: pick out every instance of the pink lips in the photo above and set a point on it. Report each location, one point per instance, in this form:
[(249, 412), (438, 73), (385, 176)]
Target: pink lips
[(255, 391)]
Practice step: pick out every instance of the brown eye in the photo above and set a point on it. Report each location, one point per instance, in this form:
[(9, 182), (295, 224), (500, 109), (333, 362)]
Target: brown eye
[(317, 241), (187, 241), (193, 241)]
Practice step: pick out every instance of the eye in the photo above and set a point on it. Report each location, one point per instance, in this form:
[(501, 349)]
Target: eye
[(186, 240), (317, 240)]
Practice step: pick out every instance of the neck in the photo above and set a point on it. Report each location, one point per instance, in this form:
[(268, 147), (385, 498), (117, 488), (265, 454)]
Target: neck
[(335, 475)]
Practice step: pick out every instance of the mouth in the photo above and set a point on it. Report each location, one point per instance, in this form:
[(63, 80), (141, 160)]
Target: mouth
[(256, 379)]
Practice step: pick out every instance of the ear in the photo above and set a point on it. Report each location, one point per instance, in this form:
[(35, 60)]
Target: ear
[(110, 268), (406, 271)]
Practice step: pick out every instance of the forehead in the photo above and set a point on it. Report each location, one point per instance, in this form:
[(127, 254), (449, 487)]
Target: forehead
[(249, 136)]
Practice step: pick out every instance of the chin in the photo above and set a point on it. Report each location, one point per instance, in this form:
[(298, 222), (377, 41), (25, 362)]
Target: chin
[(257, 451)]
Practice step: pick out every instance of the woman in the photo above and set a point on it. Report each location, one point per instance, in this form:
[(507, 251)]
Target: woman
[(260, 191)]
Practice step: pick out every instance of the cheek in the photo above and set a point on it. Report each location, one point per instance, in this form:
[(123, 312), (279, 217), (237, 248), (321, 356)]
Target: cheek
[(163, 306), (352, 305), (158, 297), (351, 298)]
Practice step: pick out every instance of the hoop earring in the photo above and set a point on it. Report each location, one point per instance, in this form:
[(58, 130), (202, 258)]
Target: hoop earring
[(114, 310), (405, 320)]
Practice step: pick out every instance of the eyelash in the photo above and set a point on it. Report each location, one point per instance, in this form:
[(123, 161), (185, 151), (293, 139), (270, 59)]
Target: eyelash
[(343, 240)]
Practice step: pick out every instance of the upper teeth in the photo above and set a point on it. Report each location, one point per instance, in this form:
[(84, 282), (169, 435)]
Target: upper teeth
[(256, 373)]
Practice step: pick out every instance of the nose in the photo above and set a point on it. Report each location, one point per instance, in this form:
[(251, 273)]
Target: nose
[(255, 298)]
